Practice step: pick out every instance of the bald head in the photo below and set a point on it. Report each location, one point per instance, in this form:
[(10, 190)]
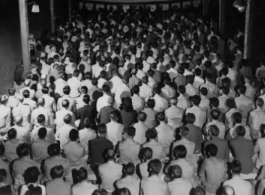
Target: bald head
[(65, 103), (41, 101), (27, 82), (67, 119)]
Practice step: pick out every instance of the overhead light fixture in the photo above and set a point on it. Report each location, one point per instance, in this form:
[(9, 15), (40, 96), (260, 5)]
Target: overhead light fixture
[(35, 7), (240, 5)]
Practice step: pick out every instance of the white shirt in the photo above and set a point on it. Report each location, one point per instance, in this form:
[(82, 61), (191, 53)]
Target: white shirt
[(191, 90), (62, 134), (114, 132), (256, 118), (213, 90), (157, 147), (85, 135), (168, 92), (96, 69), (109, 173), (205, 103), (172, 73), (140, 74), (49, 103), (232, 74), (87, 83), (75, 86), (240, 186), (198, 81), (221, 127), (38, 111), (24, 111), (59, 84), (179, 186), (31, 92), (130, 182), (165, 135), (101, 82), (137, 102), (5, 118), (222, 103), (153, 185), (174, 116), (71, 103), (140, 131), (160, 103), (30, 102), (146, 92), (115, 81), (102, 101), (23, 133), (122, 91), (79, 102), (244, 104), (60, 115), (200, 115), (183, 102), (12, 102), (84, 188)]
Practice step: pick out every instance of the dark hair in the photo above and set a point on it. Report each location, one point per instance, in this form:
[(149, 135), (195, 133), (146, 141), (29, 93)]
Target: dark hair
[(31, 175), (240, 130), (67, 118), (236, 167), (226, 90), (176, 171), (23, 150), (214, 130), (100, 191), (142, 116), (196, 100), (42, 132), (73, 135), (12, 133), (57, 172), (242, 89), (260, 102), (211, 149), (102, 129), (230, 103), (54, 149), (82, 174), (26, 93), (131, 131), (180, 151), (3, 175), (155, 166), (161, 116), (190, 118), (127, 103), (135, 89), (66, 90), (148, 153), (152, 133), (45, 90), (215, 114), (204, 91), (32, 190), (2, 150), (86, 99), (105, 88), (129, 168), (182, 89), (190, 79), (198, 71), (237, 117), (214, 102), (151, 103)]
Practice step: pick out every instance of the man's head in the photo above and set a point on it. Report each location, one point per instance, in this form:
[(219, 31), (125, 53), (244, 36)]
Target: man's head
[(65, 104), (184, 131), (82, 174), (259, 102), (57, 172), (152, 133), (215, 114), (240, 131), (131, 131), (211, 150), (155, 166), (161, 117), (11, 91), (175, 171), (174, 101), (66, 90), (54, 149), (102, 130), (105, 88), (237, 117), (73, 135), (230, 103), (42, 133), (113, 116), (26, 93), (190, 118), (151, 103), (180, 151), (213, 130), (196, 100), (41, 119), (142, 116), (41, 102), (236, 167), (86, 99), (129, 169)]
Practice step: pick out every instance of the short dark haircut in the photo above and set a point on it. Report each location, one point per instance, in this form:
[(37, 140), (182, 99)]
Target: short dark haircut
[(129, 168), (237, 117), (180, 151), (41, 118), (105, 88), (45, 90), (148, 153), (230, 103), (196, 100), (100, 192), (102, 129), (190, 118), (190, 79), (23, 150), (226, 90), (12, 133), (152, 133), (211, 149), (215, 114), (66, 90), (65, 103), (42, 132), (54, 149), (236, 167), (142, 116), (198, 71), (67, 118), (82, 174), (31, 175), (260, 102), (182, 89), (242, 89), (86, 99), (57, 172), (214, 102), (131, 131), (240, 130), (2, 150), (161, 116), (151, 103), (204, 91), (155, 166), (73, 135), (176, 171)]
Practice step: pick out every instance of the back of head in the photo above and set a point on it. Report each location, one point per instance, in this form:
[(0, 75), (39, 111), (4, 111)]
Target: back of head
[(214, 130), (129, 168), (11, 91), (180, 151), (182, 89), (142, 116), (131, 131), (12, 133), (204, 91), (214, 101), (161, 117), (240, 130), (67, 119), (190, 79), (41, 118), (175, 171), (100, 192), (152, 133), (23, 150), (31, 175), (105, 88), (65, 104), (3, 175), (2, 150), (102, 129), (190, 118), (54, 149), (82, 174), (215, 114), (230, 103), (211, 149), (259, 102), (237, 117), (151, 103), (184, 131), (155, 166), (199, 190), (196, 100), (73, 135), (236, 167), (86, 99), (26, 93), (148, 153), (123, 191), (57, 172), (42, 132)]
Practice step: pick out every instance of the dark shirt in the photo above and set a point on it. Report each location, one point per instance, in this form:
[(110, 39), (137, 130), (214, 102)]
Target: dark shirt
[(180, 80), (195, 136), (104, 114), (243, 151), (222, 147), (87, 112), (97, 148), (128, 118)]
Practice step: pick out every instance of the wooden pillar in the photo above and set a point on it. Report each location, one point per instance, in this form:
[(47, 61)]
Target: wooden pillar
[(70, 9), (24, 32), (248, 29), (52, 16), (205, 7), (222, 16)]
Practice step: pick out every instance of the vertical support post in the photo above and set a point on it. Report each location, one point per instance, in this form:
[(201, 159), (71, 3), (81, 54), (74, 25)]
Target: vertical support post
[(205, 7), (248, 30), (222, 4), (70, 9), (52, 16), (24, 32)]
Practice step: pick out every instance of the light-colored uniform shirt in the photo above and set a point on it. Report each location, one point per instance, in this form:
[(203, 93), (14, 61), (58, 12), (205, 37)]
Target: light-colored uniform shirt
[(179, 186), (200, 115), (84, 188), (160, 103), (74, 152), (140, 132), (129, 151), (154, 186), (174, 116), (130, 182), (239, 185), (146, 92), (114, 132), (157, 147), (165, 135)]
